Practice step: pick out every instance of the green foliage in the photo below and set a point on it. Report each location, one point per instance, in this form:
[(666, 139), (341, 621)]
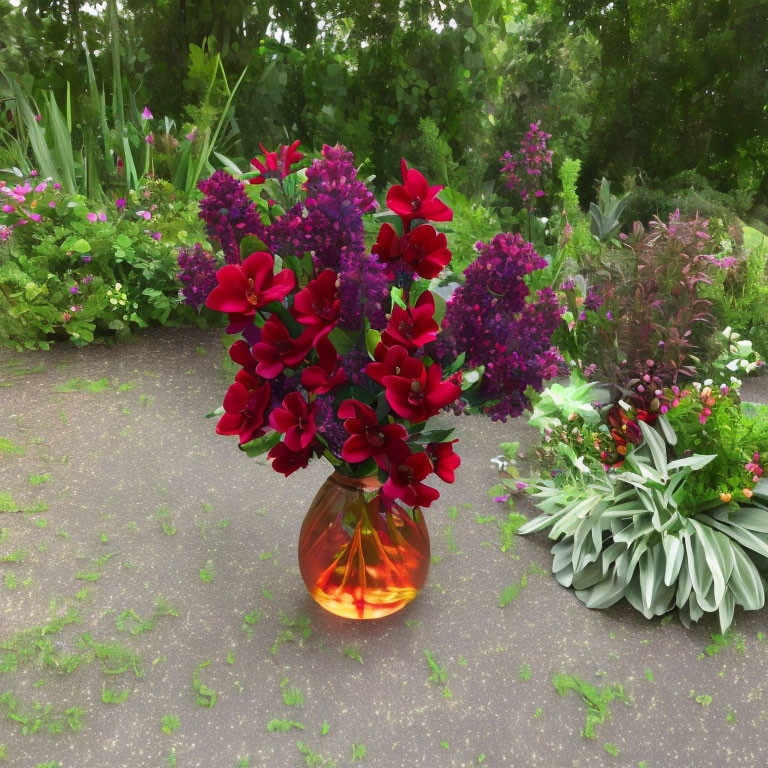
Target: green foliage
[(292, 696), (126, 282), (513, 590), (438, 673), (284, 726), (606, 213), (596, 699), (352, 652), (358, 752), (433, 151), (129, 621), (205, 696), (112, 696), (473, 221), (740, 295), (313, 759), (170, 723), (36, 716)]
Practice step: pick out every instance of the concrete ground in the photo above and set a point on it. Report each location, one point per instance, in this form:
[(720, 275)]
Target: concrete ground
[(145, 501)]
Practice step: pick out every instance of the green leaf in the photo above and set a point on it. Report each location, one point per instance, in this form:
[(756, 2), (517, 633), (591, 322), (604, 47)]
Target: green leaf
[(455, 365), (440, 307), (123, 241), (261, 444), (397, 297), (251, 244), (432, 436), (81, 246), (343, 341), (658, 448), (372, 338)]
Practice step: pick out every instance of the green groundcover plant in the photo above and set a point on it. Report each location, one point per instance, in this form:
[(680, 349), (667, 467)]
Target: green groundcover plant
[(73, 268)]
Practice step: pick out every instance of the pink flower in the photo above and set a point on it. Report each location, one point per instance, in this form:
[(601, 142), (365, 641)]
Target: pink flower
[(149, 138), (146, 114), (38, 118), (120, 203), (41, 187), (192, 136), (92, 217), (156, 235), (8, 209), (146, 215)]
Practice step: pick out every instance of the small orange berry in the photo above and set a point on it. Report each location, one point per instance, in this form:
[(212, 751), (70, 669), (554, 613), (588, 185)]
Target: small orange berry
[(747, 492), (726, 497)]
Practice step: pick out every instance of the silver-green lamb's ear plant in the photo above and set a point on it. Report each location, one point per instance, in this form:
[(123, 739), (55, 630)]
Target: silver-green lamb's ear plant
[(625, 535)]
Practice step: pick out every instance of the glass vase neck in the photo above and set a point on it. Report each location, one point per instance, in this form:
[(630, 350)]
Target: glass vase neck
[(368, 484)]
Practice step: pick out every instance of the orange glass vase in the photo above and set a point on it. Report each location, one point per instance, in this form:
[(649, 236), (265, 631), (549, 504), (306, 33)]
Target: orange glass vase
[(360, 556)]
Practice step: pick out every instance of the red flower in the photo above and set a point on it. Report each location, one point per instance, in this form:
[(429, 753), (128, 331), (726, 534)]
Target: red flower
[(271, 167), (412, 327), (290, 156), (240, 353), (277, 350), (296, 420), (415, 199), (444, 460), (387, 245), (426, 251), (392, 361), (417, 398), (244, 408), (318, 303), (327, 374), (406, 471), (368, 438), (244, 288), (286, 461)]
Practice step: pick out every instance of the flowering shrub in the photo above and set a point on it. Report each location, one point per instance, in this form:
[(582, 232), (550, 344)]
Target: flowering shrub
[(491, 322), (643, 307), (333, 347), (72, 268)]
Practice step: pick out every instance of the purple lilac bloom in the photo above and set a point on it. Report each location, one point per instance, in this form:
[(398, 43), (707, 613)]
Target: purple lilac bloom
[(229, 214), (507, 334), (329, 425), (197, 275)]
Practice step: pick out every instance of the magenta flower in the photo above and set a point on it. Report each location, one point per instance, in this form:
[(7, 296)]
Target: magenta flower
[(74, 289), (146, 215), (120, 203), (146, 114), (38, 118), (149, 138), (8, 209), (41, 187), (193, 135), (92, 217)]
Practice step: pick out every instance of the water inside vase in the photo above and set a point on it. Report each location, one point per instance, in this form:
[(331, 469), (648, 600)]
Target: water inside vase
[(361, 557)]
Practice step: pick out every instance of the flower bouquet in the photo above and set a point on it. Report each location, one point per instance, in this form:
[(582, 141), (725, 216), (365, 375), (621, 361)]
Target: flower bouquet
[(335, 361)]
